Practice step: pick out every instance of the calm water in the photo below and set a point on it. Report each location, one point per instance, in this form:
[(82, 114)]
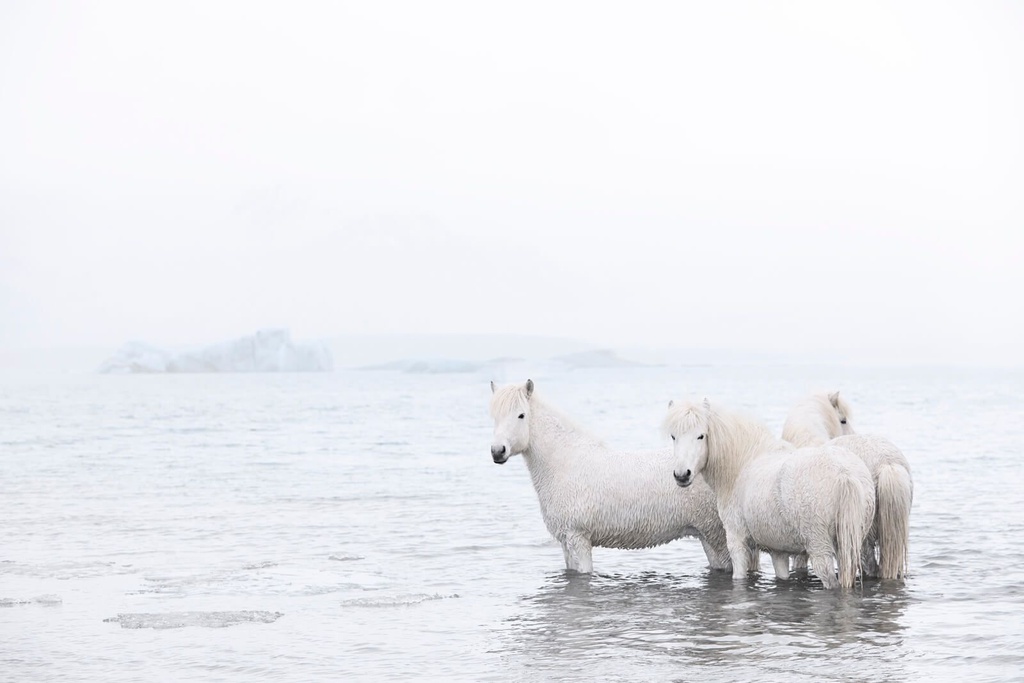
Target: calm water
[(352, 526)]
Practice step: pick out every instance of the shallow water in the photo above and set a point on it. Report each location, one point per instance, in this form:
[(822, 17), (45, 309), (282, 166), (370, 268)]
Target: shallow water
[(352, 526)]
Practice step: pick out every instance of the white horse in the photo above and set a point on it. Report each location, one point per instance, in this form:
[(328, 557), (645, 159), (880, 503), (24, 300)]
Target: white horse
[(822, 418), (819, 501), (591, 495)]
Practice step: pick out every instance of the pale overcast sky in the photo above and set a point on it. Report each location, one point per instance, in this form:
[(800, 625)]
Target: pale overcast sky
[(798, 176)]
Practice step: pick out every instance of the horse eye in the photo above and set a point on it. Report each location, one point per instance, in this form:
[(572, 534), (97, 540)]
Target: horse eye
[(673, 437), (842, 422), (522, 415), (700, 437)]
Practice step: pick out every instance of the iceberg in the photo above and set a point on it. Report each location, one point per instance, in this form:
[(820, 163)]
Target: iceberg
[(270, 350), (137, 357)]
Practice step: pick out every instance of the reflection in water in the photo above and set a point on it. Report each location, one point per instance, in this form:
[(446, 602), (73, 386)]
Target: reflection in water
[(694, 622)]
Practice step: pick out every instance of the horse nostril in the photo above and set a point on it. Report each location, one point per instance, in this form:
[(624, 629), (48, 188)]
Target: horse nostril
[(497, 450), (686, 475)]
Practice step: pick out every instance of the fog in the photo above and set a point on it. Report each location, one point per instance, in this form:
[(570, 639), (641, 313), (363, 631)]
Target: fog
[(797, 178)]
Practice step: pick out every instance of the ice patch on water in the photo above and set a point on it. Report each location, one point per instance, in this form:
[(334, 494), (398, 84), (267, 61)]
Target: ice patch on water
[(180, 585), (184, 619), (48, 600), (70, 569), (404, 600), (324, 590), (343, 557), (260, 565)]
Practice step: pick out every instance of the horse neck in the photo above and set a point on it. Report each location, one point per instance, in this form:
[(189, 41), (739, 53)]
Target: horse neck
[(552, 437), (733, 443), (801, 435), (807, 425)]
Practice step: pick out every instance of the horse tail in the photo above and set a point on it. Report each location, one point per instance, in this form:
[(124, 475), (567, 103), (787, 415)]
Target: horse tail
[(853, 516), (892, 520)]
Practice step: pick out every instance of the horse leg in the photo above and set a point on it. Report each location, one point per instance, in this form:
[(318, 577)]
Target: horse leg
[(578, 554), (868, 563), (800, 563), (781, 564), (754, 558), (568, 559), (716, 560), (739, 553), (824, 567)]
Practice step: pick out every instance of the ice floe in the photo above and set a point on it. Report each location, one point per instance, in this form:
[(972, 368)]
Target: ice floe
[(185, 619)]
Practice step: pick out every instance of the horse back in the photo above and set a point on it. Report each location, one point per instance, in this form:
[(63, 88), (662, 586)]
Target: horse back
[(875, 451), (795, 488)]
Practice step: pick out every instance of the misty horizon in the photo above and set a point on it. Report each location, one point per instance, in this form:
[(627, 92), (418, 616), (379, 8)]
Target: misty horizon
[(356, 352)]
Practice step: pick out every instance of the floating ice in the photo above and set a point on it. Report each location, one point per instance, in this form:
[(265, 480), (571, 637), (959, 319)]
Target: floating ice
[(260, 565), (48, 600), (270, 350), (344, 557), (204, 619), (404, 600)]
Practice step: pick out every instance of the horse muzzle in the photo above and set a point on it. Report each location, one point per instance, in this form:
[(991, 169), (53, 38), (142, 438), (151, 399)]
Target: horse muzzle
[(499, 454), (684, 479)]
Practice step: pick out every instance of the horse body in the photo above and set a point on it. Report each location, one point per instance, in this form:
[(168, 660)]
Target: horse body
[(591, 495), (820, 419), (818, 500), (787, 486)]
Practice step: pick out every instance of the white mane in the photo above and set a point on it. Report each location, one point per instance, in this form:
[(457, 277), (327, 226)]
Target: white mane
[(815, 420), (512, 399), (509, 399), (733, 439)]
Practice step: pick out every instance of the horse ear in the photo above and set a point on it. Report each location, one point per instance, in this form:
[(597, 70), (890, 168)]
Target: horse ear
[(493, 388), (833, 398), (707, 405), (529, 388)]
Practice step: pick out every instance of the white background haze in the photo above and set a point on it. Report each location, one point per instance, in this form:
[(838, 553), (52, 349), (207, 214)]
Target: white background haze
[(816, 178)]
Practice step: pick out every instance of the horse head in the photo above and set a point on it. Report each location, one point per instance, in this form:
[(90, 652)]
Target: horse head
[(687, 424), (510, 408), (842, 409)]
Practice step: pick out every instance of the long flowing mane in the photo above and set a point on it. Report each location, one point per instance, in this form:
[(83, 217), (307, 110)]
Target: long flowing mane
[(512, 398), (814, 420), (733, 438)]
